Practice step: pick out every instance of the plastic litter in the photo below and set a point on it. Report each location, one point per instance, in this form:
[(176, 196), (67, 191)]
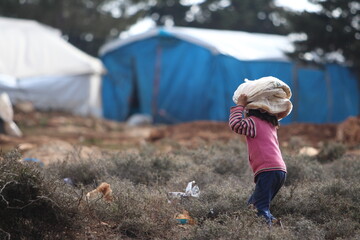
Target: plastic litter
[(139, 120), (34, 160), (7, 115), (184, 218), (102, 191), (69, 181), (267, 93), (192, 190)]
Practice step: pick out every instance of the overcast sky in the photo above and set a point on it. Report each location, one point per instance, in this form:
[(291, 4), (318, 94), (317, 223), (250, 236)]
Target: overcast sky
[(298, 5)]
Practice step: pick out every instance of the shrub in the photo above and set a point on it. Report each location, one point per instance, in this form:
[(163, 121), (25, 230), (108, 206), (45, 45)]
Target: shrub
[(304, 228), (242, 224), (347, 168), (216, 200), (138, 212), (330, 152), (344, 229), (32, 206), (80, 171), (140, 169), (320, 202), (302, 169), (223, 159), (295, 143)]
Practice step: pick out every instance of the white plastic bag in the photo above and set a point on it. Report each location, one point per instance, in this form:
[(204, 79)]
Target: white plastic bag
[(192, 190), (267, 93)]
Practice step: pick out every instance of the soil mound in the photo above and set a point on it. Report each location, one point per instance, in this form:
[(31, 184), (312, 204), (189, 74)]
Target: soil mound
[(310, 133), (349, 131), (192, 133)]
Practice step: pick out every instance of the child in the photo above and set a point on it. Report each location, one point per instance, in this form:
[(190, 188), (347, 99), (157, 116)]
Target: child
[(260, 129)]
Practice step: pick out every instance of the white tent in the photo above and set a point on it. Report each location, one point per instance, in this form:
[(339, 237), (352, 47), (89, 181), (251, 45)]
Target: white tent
[(37, 65)]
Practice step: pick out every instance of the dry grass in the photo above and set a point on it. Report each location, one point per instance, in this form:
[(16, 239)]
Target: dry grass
[(33, 205), (319, 201)]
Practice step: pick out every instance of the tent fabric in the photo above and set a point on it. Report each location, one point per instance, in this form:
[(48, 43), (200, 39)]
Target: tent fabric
[(241, 45), (312, 96), (177, 76), (344, 89), (29, 48), (70, 94), (37, 65)]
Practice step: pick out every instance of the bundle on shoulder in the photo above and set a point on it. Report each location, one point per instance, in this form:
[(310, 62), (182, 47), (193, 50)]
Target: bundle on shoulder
[(267, 93)]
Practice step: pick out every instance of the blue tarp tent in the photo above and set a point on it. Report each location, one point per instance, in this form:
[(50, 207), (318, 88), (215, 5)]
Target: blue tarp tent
[(186, 74)]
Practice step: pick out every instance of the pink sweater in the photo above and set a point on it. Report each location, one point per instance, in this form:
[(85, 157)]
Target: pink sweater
[(262, 141)]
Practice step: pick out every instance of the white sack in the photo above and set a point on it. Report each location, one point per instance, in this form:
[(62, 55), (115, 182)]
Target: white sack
[(7, 114), (12, 129), (267, 93), (6, 110)]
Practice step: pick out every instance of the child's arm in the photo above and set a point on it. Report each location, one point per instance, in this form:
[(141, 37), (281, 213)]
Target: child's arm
[(237, 123)]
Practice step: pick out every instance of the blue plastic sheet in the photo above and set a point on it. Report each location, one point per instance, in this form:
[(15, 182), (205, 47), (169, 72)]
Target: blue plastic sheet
[(177, 81)]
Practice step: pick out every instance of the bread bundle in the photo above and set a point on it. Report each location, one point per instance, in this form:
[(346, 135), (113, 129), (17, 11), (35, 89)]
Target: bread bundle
[(267, 93)]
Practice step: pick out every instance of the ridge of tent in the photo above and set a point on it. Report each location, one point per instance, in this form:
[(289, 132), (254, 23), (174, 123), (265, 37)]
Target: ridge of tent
[(241, 45)]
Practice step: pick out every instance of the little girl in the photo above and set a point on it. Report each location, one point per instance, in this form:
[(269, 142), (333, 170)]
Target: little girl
[(260, 129)]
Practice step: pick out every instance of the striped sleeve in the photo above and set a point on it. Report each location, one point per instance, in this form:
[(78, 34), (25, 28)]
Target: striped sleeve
[(240, 125)]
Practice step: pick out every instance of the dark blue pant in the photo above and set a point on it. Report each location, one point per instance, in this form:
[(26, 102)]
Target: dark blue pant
[(267, 186)]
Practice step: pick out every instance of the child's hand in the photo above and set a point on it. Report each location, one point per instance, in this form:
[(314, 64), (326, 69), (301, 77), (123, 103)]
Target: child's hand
[(242, 100)]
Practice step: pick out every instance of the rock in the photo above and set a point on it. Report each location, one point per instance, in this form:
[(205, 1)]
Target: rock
[(309, 151)]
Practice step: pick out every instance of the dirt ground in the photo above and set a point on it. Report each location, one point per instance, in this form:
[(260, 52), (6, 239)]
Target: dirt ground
[(50, 136)]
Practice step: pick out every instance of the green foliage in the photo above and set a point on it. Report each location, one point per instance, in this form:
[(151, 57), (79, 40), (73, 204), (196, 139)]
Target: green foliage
[(246, 15), (89, 24), (333, 29)]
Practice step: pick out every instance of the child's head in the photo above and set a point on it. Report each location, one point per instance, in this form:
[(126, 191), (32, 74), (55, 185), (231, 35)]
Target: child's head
[(263, 115)]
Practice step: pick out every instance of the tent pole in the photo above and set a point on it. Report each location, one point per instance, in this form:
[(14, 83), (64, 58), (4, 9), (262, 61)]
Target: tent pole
[(295, 82), (329, 94), (156, 85)]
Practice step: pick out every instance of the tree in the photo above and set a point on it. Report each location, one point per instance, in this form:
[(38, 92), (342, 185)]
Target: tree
[(330, 35), (260, 16), (87, 24)]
